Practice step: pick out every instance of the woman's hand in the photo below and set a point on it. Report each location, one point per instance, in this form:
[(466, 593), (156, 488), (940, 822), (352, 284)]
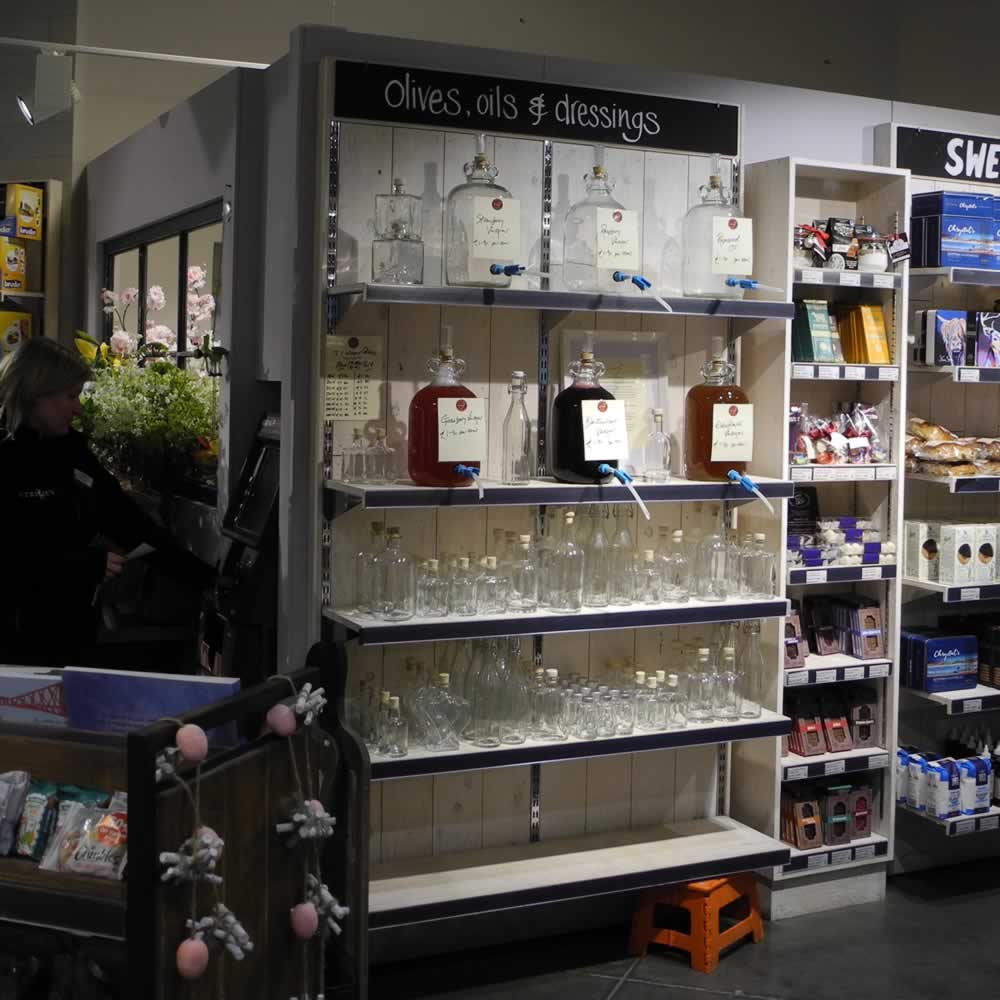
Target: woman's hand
[(114, 565)]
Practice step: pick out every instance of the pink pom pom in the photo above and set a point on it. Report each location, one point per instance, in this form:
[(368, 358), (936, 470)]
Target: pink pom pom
[(192, 743), (305, 920), (282, 720), (192, 958), (315, 807)]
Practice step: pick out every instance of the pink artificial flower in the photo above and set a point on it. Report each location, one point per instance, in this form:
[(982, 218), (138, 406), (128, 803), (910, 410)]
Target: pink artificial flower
[(207, 303), (160, 334), (196, 278), (121, 343), (155, 299), (129, 296), (108, 310), (108, 297)]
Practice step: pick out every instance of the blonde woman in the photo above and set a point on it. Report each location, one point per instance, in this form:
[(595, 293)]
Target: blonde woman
[(59, 508)]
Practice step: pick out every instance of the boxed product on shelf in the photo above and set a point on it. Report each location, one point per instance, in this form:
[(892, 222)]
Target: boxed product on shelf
[(952, 236), (976, 785), (829, 722), (942, 788), (852, 334), (815, 336), (13, 274), (25, 204), (795, 654), (15, 327), (814, 816), (847, 623), (987, 332), (921, 552), (801, 822), (980, 206), (863, 714), (836, 806), (933, 660)]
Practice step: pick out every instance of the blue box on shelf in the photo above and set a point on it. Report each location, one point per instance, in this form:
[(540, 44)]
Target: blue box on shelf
[(957, 241), (937, 662), (953, 203), (8, 226)]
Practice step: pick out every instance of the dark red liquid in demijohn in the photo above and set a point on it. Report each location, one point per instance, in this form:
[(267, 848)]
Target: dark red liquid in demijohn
[(568, 462), (422, 453)]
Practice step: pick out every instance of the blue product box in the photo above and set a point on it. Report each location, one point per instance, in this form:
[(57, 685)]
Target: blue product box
[(952, 203), (988, 340), (958, 241), (946, 663), (945, 343), (8, 226)]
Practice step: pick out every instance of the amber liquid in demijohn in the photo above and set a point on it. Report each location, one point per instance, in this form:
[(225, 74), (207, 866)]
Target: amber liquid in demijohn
[(717, 388)]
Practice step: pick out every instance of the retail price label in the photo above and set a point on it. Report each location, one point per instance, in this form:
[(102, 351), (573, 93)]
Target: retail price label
[(850, 279), (841, 857), (990, 823), (972, 705), (885, 472), (854, 673), (732, 246), (878, 670), (835, 767), (803, 371), (496, 229), (883, 281), (969, 594), (826, 676), (796, 773), (888, 374), (882, 760), (816, 576), (968, 374), (812, 276), (964, 826), (871, 572), (863, 853), (863, 475), (605, 431), (617, 239), (818, 861), (828, 371), (801, 475), (855, 373), (796, 678), (462, 430)]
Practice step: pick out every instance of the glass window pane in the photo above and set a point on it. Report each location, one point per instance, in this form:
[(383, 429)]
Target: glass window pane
[(126, 275), (205, 251), (162, 264)]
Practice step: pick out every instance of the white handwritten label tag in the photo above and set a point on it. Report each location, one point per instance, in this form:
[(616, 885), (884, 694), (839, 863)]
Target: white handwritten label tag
[(732, 432), (618, 239), (461, 430), (732, 246), (496, 229), (605, 431)]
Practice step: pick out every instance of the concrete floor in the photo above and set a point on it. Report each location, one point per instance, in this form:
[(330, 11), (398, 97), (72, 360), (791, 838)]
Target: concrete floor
[(936, 934)]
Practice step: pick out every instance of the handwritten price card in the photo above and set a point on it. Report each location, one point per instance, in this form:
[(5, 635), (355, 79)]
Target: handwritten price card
[(605, 430), (355, 368), (461, 430), (617, 239), (732, 246), (732, 432), (496, 229)]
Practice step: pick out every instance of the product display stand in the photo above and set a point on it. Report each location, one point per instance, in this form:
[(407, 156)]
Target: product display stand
[(781, 194)]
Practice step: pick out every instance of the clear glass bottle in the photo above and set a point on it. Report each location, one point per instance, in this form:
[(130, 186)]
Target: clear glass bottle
[(488, 700), (677, 571), (597, 563), (354, 459), (753, 674), (744, 588), (566, 569), (649, 588), (395, 581), (491, 590), (600, 237), (726, 702), (518, 461), (432, 592), (462, 589), (699, 239), (483, 226), (656, 452), (522, 594), (702, 688), (380, 460), (547, 544), (587, 721), (382, 741), (711, 582), (570, 463), (553, 723), (606, 719), (514, 685), (718, 423), (761, 582), (625, 714), (424, 466), (622, 584), (444, 714), (397, 731), (674, 704), (398, 250), (365, 580)]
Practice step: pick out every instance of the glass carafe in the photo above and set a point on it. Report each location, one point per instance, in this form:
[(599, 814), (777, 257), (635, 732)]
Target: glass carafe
[(395, 581), (380, 460), (656, 452), (483, 226), (699, 239), (718, 421), (597, 563), (711, 582), (425, 466), (565, 570), (397, 741), (398, 250), (491, 590), (518, 463), (553, 723), (674, 704), (462, 589), (649, 583), (572, 460), (601, 236), (432, 591), (753, 674)]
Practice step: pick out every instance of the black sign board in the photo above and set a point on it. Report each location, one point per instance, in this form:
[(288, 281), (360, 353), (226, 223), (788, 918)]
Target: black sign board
[(951, 155), (371, 92)]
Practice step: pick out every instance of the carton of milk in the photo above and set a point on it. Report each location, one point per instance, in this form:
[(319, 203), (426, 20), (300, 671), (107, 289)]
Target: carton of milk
[(942, 791)]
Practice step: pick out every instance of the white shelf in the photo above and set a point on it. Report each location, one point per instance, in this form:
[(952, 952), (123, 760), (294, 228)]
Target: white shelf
[(821, 765), (857, 854), (497, 878), (968, 701), (956, 593), (842, 372), (843, 473), (960, 826), (834, 669), (888, 280), (959, 275), (801, 576), (964, 374), (960, 484)]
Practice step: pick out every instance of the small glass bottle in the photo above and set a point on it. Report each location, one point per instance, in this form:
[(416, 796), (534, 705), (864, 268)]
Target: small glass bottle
[(522, 594), (606, 716), (518, 463), (487, 700), (380, 460), (566, 568), (597, 562), (649, 589), (432, 592), (365, 581), (744, 588), (553, 721), (382, 744), (354, 459), (656, 452), (761, 580), (573, 461), (622, 584), (702, 688), (398, 250), (625, 714), (396, 583), (718, 422), (483, 226), (700, 278), (462, 589), (711, 581), (491, 591), (726, 701), (677, 571), (397, 731), (753, 674), (675, 707), (587, 722), (445, 715)]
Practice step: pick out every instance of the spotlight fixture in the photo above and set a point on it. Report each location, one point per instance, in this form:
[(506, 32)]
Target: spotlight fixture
[(55, 90)]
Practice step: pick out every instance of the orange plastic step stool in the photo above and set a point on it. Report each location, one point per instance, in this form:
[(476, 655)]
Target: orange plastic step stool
[(703, 901)]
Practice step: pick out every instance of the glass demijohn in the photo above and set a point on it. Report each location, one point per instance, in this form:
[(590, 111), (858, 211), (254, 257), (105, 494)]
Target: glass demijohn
[(397, 250), (517, 458), (698, 236), (569, 459)]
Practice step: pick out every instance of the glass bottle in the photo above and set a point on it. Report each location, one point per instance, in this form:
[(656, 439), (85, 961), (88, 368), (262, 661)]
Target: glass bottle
[(699, 239), (726, 700), (522, 594), (354, 459), (711, 583), (398, 250), (625, 714), (364, 568), (380, 460), (514, 687), (487, 700), (565, 571), (432, 592), (702, 687), (744, 588), (718, 422), (649, 586), (397, 731), (675, 708), (444, 715), (462, 589), (761, 580), (570, 461), (424, 466), (753, 675), (622, 584), (518, 462), (597, 563), (491, 596), (395, 581), (656, 452), (587, 721), (677, 571), (382, 743), (601, 236), (483, 226)]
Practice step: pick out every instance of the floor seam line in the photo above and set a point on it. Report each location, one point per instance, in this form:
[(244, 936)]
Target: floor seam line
[(616, 989), (704, 989)]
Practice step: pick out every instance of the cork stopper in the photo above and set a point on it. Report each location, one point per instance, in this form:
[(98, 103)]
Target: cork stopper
[(552, 673), (648, 555), (640, 677), (661, 676), (524, 538), (586, 355), (463, 562), (704, 651), (678, 534), (394, 702), (380, 434), (444, 680), (491, 562), (432, 564)]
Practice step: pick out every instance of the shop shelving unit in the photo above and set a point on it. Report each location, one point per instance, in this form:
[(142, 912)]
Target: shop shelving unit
[(959, 826), (968, 701), (780, 194)]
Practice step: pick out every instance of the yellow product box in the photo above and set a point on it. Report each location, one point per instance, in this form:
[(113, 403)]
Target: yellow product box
[(25, 203), (13, 274), (14, 327)]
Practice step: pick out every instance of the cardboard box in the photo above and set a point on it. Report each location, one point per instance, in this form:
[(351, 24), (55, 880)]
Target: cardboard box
[(922, 549), (26, 204), (956, 553), (864, 718), (953, 203), (15, 327), (987, 339), (837, 816), (13, 272), (946, 332), (795, 650), (986, 552), (860, 809)]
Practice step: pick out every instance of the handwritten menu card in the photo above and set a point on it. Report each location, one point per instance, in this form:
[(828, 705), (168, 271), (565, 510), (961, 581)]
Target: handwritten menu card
[(354, 369)]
